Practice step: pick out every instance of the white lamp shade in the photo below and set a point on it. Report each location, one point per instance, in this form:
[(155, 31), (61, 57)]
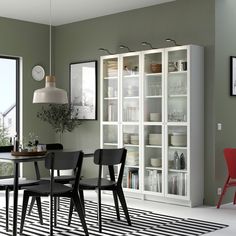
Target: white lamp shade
[(50, 94)]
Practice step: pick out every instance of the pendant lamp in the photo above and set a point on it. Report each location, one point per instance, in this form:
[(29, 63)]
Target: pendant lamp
[(50, 93)]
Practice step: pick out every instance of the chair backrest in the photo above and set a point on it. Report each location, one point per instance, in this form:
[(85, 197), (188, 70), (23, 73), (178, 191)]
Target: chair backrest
[(54, 146), (110, 157), (6, 148), (64, 161), (8, 172), (230, 157)]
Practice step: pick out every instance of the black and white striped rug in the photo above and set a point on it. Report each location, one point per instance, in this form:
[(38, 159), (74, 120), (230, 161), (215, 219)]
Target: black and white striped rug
[(143, 223)]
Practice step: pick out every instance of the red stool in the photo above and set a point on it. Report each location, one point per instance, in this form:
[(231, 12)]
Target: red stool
[(230, 157)]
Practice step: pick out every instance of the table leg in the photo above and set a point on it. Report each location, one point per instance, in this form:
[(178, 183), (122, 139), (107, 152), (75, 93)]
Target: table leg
[(16, 182)]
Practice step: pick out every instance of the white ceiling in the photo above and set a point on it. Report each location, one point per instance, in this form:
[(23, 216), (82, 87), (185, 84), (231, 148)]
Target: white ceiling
[(67, 11)]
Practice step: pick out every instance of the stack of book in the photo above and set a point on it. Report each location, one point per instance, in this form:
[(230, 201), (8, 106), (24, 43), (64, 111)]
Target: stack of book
[(132, 178)]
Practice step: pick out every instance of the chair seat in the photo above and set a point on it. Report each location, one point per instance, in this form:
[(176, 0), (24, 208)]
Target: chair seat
[(63, 179), (44, 189), (22, 182), (92, 183)]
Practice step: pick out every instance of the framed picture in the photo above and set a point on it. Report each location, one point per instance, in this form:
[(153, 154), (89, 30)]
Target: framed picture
[(233, 75), (83, 89)]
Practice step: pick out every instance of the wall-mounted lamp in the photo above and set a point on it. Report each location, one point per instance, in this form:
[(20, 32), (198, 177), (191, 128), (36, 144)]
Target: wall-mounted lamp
[(147, 44), (123, 46), (172, 40), (105, 50)]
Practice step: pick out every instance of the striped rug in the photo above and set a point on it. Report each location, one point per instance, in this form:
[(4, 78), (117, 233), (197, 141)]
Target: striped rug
[(144, 223)]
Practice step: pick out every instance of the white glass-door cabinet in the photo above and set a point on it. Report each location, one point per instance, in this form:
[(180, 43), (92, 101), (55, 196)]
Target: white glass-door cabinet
[(152, 104), (121, 111)]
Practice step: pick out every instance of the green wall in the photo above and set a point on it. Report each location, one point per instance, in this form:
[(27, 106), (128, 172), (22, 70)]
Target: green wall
[(30, 42), (225, 112), (187, 21), (209, 23)]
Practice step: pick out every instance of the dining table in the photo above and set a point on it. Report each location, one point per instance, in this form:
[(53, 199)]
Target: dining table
[(16, 160)]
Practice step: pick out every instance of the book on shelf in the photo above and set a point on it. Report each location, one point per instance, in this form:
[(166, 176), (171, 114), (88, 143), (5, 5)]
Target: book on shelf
[(133, 178)]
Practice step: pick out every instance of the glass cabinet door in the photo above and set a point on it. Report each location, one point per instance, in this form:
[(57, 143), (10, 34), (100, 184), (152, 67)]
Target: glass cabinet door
[(110, 89), (177, 116), (130, 88), (132, 165), (153, 116), (177, 86)]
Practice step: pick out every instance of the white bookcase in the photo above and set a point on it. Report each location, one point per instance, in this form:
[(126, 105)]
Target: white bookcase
[(152, 103)]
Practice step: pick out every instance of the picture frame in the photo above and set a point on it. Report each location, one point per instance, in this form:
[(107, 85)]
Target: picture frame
[(83, 89), (233, 75)]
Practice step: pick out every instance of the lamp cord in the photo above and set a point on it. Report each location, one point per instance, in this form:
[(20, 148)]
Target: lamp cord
[(50, 40)]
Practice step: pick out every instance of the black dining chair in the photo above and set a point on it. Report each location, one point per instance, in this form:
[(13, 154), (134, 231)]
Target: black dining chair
[(58, 161), (109, 158), (63, 179), (8, 185)]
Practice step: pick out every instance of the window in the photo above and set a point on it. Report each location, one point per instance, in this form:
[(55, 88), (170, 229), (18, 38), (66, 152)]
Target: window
[(9, 106)]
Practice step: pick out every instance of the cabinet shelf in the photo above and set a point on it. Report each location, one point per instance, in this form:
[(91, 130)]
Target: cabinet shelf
[(153, 96), (177, 72), (176, 147), (131, 97), (131, 166), (131, 145), (148, 75), (178, 171), (178, 95), (153, 146), (110, 144), (131, 76), (111, 78), (110, 98), (153, 168)]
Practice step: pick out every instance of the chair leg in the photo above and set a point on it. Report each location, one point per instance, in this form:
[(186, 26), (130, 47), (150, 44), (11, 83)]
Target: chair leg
[(24, 208), (38, 201), (31, 205), (223, 192), (81, 194), (123, 204), (70, 211), (99, 210), (116, 204), (55, 210), (79, 209), (7, 207)]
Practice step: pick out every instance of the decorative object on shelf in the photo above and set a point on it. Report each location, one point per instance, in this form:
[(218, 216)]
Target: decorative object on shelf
[(155, 116), (105, 50), (182, 161), (172, 40), (178, 139), (148, 44), (62, 117), (171, 66), (124, 46), (176, 160), (155, 67), (50, 94), (38, 73), (155, 161), (232, 75), (181, 65), (83, 89), (155, 139)]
